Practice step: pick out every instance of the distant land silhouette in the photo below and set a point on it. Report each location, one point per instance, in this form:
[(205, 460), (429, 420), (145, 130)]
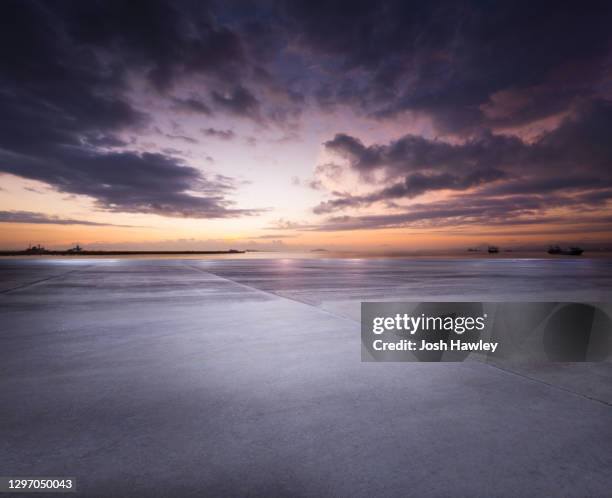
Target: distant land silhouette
[(79, 251)]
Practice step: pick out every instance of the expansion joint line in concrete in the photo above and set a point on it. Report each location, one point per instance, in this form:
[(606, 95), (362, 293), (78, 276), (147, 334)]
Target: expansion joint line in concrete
[(539, 381), (42, 280), (526, 377), (270, 293)]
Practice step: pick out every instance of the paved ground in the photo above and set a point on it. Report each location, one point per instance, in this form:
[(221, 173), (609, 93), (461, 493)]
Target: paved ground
[(204, 378)]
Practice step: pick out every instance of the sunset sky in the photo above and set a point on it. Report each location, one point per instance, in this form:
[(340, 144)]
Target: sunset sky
[(374, 126)]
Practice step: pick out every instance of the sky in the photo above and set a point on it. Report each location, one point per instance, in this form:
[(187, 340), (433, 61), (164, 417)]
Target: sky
[(374, 126)]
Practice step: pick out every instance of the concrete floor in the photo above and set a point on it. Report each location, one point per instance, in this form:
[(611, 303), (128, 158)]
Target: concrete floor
[(210, 378)]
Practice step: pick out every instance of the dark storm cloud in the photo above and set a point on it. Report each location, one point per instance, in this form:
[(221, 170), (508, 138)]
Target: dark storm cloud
[(44, 219), (462, 210), (479, 210), (545, 185), (574, 157), (69, 72), (102, 140), (472, 210), (63, 99), (413, 186), (475, 69), (192, 105), (239, 101), (167, 40), (596, 197), (415, 153), (466, 64), (129, 182)]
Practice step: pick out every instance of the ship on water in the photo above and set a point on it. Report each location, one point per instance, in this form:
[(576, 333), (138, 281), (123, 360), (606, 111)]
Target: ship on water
[(493, 249), (38, 249), (570, 251)]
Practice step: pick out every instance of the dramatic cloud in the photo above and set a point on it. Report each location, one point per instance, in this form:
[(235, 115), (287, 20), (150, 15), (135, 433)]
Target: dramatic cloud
[(239, 101), (167, 40), (580, 144), (465, 64), (129, 182), (191, 105), (465, 211), (413, 186), (496, 111), (416, 153), (44, 219), (64, 99)]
